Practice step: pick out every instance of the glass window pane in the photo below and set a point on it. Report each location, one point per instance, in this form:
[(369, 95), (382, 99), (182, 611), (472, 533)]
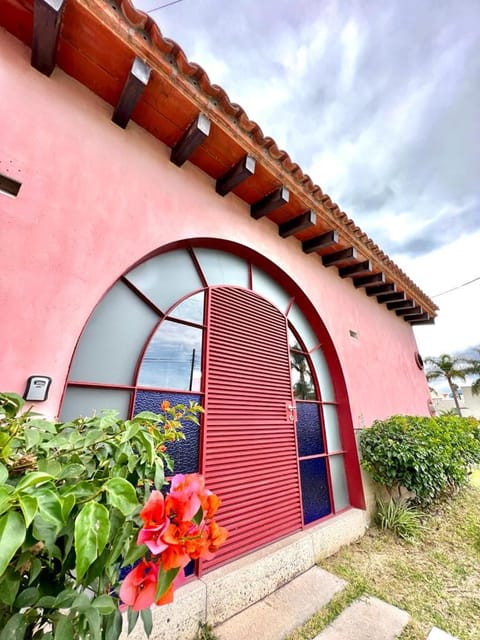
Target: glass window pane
[(190, 309), (309, 429), (315, 498), (339, 482), (332, 431), (113, 338), (222, 268), (270, 289), (84, 401), (302, 382), (166, 278), (323, 376), (303, 327), (172, 360), (184, 452)]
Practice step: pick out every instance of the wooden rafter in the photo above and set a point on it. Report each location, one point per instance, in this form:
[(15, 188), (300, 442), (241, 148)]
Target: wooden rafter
[(236, 175), (47, 20), (319, 243), (133, 88), (192, 138), (271, 202)]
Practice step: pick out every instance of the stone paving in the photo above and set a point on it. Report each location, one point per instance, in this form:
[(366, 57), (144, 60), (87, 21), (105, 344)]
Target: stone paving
[(280, 613)]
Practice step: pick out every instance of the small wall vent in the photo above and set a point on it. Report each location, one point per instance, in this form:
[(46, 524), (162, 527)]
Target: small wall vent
[(8, 186)]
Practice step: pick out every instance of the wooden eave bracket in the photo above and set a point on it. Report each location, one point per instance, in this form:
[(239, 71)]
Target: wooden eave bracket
[(47, 20), (356, 270), (270, 203), (236, 175), (400, 304), (319, 243), (415, 323), (409, 312), (134, 86), (192, 138), (299, 223), (339, 257), (389, 297), (381, 288), (368, 281), (420, 317)]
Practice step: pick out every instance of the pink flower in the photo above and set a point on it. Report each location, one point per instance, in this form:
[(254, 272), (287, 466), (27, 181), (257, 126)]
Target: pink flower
[(139, 586), (155, 522)]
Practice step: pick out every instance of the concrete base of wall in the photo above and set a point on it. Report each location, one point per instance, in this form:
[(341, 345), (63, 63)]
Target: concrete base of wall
[(226, 591)]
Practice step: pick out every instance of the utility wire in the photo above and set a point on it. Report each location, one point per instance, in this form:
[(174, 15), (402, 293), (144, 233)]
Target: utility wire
[(455, 288), (162, 6)]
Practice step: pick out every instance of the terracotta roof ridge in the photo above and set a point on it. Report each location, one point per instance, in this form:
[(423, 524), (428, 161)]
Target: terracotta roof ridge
[(140, 20)]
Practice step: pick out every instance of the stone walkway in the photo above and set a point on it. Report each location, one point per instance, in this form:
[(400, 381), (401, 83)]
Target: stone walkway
[(293, 604)]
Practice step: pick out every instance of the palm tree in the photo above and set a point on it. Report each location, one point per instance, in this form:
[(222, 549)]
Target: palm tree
[(473, 369), (448, 367)]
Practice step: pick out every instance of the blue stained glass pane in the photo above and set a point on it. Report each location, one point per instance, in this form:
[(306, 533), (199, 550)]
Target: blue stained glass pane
[(316, 501), (309, 430), (184, 452)]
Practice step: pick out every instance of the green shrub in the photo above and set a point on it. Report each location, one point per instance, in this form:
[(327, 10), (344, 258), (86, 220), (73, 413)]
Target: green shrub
[(430, 457), (398, 517)]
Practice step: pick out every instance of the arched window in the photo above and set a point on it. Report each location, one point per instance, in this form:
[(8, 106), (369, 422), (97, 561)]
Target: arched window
[(203, 324)]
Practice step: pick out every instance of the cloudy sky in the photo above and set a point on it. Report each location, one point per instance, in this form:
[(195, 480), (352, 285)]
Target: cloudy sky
[(379, 102)]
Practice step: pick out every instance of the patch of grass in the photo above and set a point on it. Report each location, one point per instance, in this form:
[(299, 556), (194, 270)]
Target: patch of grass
[(399, 517), (436, 577), (325, 616), (205, 632)]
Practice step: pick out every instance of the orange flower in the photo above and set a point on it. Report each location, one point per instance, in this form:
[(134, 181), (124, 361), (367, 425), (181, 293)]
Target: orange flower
[(165, 405)]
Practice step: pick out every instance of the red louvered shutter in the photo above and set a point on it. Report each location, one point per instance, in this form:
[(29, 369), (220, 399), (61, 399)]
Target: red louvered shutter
[(249, 455)]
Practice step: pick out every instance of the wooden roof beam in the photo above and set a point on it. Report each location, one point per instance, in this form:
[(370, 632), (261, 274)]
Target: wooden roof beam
[(236, 175), (270, 203), (381, 288), (319, 243), (400, 304), (367, 281), (47, 19), (416, 318), (406, 312), (389, 297), (192, 138), (339, 257), (415, 323), (134, 86), (354, 270), (299, 223)]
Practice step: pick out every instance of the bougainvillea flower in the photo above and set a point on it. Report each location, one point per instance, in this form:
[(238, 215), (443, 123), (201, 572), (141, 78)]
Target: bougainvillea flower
[(165, 405), (216, 536), (210, 504), (139, 586), (155, 521), (183, 500)]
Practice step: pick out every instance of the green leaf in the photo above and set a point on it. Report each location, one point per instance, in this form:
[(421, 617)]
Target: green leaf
[(165, 579), (33, 478), (46, 602), (27, 597), (15, 628), (32, 438), (132, 617), (92, 528), (73, 470), (29, 506), (94, 622), (146, 615), (113, 626), (159, 477), (122, 495), (4, 498), (134, 553), (81, 602), (9, 584), (65, 599), (104, 604), (3, 473), (198, 517), (63, 628), (50, 508), (12, 535)]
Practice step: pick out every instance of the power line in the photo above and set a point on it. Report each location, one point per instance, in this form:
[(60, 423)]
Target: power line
[(455, 288), (162, 6)]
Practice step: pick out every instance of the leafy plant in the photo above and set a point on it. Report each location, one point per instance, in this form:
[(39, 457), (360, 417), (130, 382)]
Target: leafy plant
[(430, 457), (70, 497), (399, 517), (205, 632)]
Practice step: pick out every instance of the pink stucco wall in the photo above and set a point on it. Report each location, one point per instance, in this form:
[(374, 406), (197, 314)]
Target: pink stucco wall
[(95, 199)]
